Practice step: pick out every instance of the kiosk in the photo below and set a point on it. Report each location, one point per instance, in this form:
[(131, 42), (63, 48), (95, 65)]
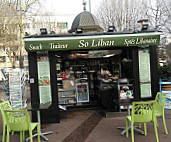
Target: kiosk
[(82, 70)]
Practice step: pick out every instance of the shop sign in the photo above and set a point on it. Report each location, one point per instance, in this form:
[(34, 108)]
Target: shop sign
[(90, 42)]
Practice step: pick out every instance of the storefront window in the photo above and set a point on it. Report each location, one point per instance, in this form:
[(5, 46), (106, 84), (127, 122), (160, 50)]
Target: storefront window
[(82, 76)]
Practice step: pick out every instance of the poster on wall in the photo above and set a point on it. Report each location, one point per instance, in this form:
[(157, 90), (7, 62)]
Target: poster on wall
[(44, 82), (82, 92), (167, 104), (145, 90), (144, 72)]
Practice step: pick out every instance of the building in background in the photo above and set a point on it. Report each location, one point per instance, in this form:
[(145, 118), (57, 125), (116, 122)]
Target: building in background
[(58, 24)]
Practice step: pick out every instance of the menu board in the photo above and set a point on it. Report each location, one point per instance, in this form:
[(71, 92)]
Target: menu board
[(144, 66), (144, 72), (145, 90), (44, 81)]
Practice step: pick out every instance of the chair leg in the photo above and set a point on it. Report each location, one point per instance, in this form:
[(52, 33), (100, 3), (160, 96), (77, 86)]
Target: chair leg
[(139, 125), (156, 133), (145, 129), (30, 133), (156, 122), (21, 136), (4, 131), (164, 124), (38, 133), (132, 131), (126, 127), (7, 134)]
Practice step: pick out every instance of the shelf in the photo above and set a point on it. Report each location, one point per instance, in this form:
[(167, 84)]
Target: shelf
[(68, 97), (80, 72), (121, 85), (64, 90), (59, 79), (77, 65), (165, 82)]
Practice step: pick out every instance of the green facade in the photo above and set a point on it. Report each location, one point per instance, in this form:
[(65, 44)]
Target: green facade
[(90, 42)]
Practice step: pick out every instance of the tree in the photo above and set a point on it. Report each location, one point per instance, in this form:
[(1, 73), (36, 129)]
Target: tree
[(121, 14), (12, 13), (168, 53), (159, 15), (44, 21), (9, 29)]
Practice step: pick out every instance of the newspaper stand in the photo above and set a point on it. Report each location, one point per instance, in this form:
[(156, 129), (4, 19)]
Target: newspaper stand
[(14, 86), (165, 87)]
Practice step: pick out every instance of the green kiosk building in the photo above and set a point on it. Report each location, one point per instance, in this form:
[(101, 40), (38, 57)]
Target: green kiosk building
[(87, 68)]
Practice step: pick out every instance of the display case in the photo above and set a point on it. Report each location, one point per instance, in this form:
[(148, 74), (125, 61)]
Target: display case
[(65, 83)]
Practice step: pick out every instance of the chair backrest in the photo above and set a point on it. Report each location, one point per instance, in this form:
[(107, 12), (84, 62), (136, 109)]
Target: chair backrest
[(17, 120), (143, 111), (4, 106), (160, 101)]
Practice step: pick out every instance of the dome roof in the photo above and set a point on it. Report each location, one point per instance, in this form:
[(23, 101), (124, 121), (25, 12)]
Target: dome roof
[(85, 20)]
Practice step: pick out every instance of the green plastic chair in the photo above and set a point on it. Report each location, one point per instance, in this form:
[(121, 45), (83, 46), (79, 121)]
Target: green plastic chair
[(19, 121), (159, 108), (142, 112), (4, 106)]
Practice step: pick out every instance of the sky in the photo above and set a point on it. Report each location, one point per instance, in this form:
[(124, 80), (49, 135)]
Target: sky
[(67, 10), (65, 7)]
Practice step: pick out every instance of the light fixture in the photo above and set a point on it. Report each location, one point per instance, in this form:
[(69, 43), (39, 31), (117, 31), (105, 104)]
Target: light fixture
[(43, 31), (52, 32), (109, 55), (79, 30), (111, 29), (26, 34), (144, 27), (144, 24)]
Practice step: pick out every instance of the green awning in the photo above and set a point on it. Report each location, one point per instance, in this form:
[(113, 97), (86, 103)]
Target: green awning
[(91, 42)]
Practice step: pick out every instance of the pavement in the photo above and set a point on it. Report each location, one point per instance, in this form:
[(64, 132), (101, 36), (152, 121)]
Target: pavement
[(103, 129)]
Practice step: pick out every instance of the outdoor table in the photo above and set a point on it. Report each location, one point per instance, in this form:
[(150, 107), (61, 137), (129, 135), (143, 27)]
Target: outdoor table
[(128, 102), (39, 121)]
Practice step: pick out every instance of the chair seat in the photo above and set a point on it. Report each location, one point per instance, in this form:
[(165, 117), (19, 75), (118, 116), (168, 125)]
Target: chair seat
[(34, 125), (129, 118), (158, 113)]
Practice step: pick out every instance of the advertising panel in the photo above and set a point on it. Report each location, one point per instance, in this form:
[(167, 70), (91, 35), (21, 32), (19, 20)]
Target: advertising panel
[(44, 81)]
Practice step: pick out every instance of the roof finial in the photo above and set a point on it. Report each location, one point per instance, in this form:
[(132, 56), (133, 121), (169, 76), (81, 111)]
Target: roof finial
[(84, 4)]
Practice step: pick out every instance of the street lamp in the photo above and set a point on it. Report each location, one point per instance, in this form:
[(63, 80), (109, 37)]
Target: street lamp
[(144, 24), (43, 31), (111, 29), (79, 30)]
